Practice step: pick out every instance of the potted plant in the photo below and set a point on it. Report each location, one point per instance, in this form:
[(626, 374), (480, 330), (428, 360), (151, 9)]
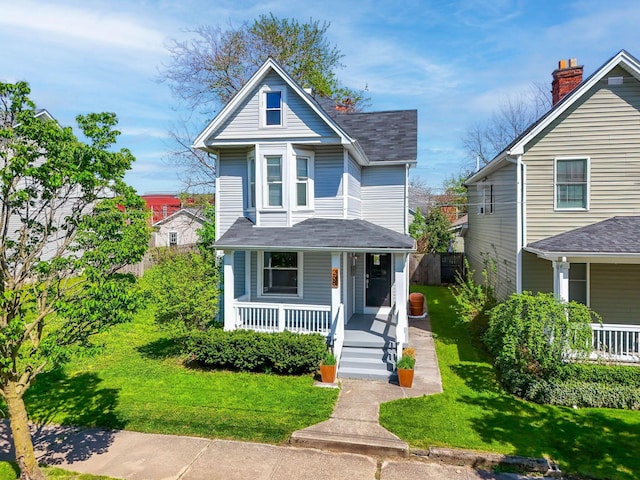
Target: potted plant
[(405, 367), (328, 368)]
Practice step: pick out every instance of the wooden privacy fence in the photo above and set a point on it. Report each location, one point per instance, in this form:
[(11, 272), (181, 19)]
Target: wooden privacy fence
[(435, 268)]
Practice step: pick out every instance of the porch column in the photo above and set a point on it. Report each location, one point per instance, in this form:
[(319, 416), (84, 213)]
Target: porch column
[(401, 299), (229, 292), (561, 279), (335, 289)]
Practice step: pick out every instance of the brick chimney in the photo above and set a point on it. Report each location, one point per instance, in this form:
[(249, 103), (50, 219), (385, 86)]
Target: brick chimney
[(565, 79), (346, 106)]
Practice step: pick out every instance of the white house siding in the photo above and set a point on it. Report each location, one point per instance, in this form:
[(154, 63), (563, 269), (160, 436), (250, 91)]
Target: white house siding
[(273, 219), (382, 194), (354, 202), (328, 168), (300, 119), (232, 179), (316, 275), (183, 224), (614, 292), (493, 235), (538, 274), (604, 126)]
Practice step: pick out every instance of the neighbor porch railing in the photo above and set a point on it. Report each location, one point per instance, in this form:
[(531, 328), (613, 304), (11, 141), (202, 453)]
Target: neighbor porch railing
[(616, 342), (278, 317)]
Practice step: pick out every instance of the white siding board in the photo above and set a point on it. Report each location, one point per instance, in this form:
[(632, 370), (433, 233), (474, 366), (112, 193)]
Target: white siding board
[(382, 191), (328, 168)]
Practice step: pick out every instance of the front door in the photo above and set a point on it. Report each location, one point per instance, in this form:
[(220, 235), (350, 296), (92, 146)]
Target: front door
[(378, 280)]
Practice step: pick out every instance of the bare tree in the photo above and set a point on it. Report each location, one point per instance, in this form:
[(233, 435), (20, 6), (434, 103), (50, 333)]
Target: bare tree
[(483, 141), (205, 72)]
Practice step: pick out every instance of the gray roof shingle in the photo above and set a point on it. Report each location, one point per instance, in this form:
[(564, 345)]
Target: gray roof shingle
[(384, 136), (315, 234), (614, 235)]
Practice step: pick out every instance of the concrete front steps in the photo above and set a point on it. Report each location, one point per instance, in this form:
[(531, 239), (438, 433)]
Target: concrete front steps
[(366, 362)]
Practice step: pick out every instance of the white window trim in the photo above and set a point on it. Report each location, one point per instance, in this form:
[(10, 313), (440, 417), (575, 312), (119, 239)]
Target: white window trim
[(555, 185), (310, 182), (263, 105), (250, 197), (171, 232), (260, 272)]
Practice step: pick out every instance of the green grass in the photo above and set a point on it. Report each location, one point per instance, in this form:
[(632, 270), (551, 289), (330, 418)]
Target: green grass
[(475, 413), (9, 471), (139, 383)]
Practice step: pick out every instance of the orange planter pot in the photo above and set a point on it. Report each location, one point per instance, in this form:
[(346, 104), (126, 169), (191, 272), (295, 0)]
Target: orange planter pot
[(405, 377), (328, 373), (416, 301)]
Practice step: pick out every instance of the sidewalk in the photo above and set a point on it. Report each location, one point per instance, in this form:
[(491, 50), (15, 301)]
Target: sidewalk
[(143, 456)]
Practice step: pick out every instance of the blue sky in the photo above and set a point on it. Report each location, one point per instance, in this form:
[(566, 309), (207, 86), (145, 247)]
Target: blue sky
[(455, 61)]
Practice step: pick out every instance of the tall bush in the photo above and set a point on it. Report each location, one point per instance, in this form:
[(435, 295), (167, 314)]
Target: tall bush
[(184, 289), (535, 334)]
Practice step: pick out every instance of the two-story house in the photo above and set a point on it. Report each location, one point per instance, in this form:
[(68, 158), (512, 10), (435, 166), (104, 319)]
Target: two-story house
[(311, 213), (559, 208)]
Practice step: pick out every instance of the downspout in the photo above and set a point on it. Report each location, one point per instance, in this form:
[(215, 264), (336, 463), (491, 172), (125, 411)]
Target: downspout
[(406, 199)]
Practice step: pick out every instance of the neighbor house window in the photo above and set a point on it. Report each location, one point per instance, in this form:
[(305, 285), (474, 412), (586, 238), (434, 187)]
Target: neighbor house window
[(274, 181), (486, 200), (173, 239), (578, 283), (273, 103), (572, 183), (281, 273)]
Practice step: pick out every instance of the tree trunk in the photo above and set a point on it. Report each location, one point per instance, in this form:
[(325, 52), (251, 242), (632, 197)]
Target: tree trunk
[(25, 456)]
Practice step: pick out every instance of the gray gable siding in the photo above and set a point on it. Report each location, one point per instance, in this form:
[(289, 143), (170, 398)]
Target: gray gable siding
[(493, 235), (329, 165), (354, 201), (604, 126), (238, 278), (232, 180), (382, 192), (538, 274), (316, 273), (300, 119)]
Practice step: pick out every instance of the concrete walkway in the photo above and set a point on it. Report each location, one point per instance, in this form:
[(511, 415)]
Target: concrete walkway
[(353, 426)]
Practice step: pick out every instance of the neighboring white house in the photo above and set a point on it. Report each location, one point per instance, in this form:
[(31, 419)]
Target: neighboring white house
[(311, 213), (179, 228), (559, 208)]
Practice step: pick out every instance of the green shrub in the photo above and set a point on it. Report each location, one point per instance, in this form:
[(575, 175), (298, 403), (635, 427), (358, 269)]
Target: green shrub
[(246, 350), (329, 359), (535, 334), (598, 373), (406, 362), (184, 289)]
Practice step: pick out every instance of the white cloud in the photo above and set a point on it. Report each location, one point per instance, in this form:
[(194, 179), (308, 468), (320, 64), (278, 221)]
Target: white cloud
[(144, 132), (75, 24)]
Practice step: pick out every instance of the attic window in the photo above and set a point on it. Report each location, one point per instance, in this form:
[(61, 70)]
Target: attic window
[(615, 80), (273, 108)]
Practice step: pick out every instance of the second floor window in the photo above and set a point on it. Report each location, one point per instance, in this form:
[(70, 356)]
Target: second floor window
[(571, 184), (274, 108), (274, 181), (302, 181)]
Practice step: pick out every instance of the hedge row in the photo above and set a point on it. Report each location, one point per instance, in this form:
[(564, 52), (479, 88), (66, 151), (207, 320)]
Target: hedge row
[(573, 392), (245, 350), (597, 373)]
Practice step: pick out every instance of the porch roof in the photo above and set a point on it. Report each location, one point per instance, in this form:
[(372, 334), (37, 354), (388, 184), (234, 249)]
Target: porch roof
[(614, 237), (315, 234)]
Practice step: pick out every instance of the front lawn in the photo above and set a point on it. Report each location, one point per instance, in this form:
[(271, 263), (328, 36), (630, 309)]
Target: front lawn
[(138, 383), (475, 413)]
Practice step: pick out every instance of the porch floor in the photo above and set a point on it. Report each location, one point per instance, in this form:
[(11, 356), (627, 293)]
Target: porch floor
[(370, 330)]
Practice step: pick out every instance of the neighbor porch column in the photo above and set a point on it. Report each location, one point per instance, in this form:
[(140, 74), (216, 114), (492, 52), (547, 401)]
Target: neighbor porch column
[(561, 279), (401, 299), (229, 292)]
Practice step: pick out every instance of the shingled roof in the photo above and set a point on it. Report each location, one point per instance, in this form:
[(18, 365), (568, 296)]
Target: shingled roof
[(315, 234), (614, 235), (384, 136)]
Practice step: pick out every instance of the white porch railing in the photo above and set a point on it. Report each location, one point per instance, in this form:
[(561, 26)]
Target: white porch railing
[(277, 317), (616, 342)]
